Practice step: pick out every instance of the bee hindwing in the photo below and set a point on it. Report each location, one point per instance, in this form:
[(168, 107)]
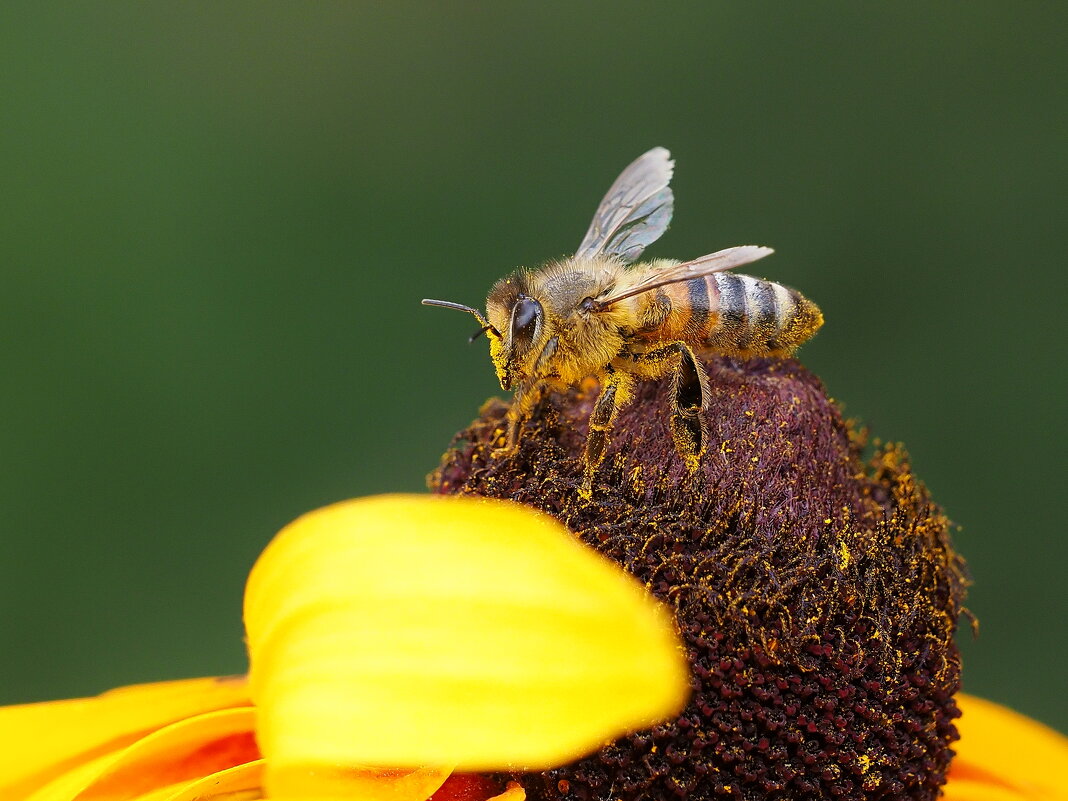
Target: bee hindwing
[(635, 212)]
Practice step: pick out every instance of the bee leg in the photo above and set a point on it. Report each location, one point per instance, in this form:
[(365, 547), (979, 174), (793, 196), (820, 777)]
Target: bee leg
[(689, 397), (511, 437), (523, 402), (615, 393), (526, 398)]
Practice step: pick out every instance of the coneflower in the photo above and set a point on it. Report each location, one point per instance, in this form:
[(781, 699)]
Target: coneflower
[(815, 587)]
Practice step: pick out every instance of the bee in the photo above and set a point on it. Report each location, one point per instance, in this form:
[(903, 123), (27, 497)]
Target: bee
[(599, 314)]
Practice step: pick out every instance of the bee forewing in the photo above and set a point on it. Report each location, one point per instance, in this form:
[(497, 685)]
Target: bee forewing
[(726, 259), (712, 263), (635, 212)]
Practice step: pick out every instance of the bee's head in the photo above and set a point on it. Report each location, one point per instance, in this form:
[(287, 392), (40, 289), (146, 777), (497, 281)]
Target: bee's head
[(519, 353), (516, 352), (516, 328)]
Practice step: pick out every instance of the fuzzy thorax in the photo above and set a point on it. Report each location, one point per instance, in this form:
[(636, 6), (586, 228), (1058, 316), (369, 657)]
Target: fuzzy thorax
[(583, 342)]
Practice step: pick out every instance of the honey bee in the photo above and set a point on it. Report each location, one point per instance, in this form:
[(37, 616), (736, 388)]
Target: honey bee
[(597, 314)]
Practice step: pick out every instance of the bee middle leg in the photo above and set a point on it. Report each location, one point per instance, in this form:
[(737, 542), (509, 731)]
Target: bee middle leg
[(689, 396)]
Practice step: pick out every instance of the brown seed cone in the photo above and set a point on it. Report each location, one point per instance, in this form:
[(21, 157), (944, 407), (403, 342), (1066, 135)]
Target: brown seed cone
[(817, 594)]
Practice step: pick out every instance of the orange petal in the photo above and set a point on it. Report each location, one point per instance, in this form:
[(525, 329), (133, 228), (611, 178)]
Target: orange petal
[(239, 783), (41, 741), (244, 780), (366, 784), (467, 787), (185, 751), (513, 793), (422, 630), (1004, 756)]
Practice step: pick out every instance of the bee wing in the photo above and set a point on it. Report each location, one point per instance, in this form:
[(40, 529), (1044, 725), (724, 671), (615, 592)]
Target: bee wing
[(635, 212), (712, 263)]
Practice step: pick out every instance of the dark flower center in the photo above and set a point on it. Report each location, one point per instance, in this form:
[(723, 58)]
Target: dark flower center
[(817, 590)]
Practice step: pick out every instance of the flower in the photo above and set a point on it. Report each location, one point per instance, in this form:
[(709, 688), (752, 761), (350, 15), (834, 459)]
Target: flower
[(427, 635), (387, 663)]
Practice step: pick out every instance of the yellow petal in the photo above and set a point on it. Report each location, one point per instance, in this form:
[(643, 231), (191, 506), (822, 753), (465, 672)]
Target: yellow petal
[(41, 741), (1004, 756), (423, 630)]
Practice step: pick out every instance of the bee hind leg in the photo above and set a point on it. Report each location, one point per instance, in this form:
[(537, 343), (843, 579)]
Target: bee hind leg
[(689, 400), (615, 392)]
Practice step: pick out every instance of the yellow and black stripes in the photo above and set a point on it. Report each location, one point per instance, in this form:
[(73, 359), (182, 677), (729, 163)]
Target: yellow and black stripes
[(730, 314), (698, 299), (733, 319), (757, 317)]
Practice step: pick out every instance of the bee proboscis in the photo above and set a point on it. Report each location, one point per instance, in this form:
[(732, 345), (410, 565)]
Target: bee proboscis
[(598, 314)]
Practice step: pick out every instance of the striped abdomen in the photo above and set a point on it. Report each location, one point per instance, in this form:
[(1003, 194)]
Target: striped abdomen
[(733, 315)]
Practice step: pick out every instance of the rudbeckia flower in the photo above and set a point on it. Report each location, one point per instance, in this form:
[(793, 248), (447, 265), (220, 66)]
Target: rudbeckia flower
[(408, 648)]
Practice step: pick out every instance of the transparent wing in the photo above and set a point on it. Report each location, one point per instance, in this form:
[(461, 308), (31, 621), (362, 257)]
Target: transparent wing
[(635, 212), (712, 263)]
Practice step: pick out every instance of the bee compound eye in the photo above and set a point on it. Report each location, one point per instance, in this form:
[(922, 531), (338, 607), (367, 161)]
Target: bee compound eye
[(525, 316)]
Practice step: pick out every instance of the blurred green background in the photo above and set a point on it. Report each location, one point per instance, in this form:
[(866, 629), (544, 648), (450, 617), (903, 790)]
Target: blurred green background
[(217, 220)]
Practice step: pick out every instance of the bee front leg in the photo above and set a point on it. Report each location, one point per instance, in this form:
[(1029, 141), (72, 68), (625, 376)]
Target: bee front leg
[(689, 397), (523, 402), (615, 393)]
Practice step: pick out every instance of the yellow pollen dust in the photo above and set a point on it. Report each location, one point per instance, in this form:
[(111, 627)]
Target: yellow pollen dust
[(844, 556)]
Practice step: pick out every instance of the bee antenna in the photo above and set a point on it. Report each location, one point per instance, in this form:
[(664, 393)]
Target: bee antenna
[(479, 333), (487, 327)]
